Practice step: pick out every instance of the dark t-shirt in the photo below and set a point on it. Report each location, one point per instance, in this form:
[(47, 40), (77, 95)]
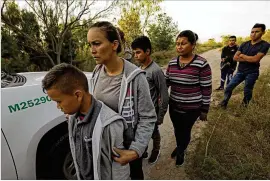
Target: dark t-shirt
[(83, 143), (248, 49), (228, 53)]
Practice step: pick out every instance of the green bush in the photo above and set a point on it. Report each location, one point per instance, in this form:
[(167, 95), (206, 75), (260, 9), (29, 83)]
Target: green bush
[(201, 48), (84, 59), (163, 57)]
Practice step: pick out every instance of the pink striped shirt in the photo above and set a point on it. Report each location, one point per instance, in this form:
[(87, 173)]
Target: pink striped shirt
[(191, 86)]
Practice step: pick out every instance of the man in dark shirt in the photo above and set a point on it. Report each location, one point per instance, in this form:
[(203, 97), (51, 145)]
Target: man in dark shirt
[(227, 64), (248, 55)]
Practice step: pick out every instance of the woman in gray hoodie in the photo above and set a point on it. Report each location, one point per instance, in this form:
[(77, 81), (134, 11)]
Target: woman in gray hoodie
[(123, 87)]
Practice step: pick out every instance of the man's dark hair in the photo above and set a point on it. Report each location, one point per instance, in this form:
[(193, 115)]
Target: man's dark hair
[(111, 32), (66, 78), (258, 25), (190, 35), (143, 43), (232, 37)]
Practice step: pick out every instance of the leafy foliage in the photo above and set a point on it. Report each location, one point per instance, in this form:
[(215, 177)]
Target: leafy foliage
[(136, 16), (163, 33), (45, 32)]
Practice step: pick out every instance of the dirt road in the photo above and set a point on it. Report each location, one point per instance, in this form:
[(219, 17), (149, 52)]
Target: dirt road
[(165, 168)]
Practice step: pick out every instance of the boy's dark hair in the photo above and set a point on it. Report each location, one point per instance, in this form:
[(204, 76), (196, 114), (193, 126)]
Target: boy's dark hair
[(192, 37), (111, 32), (66, 78), (232, 37), (143, 43), (258, 25)]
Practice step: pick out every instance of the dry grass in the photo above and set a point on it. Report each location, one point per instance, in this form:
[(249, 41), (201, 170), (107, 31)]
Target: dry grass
[(236, 142)]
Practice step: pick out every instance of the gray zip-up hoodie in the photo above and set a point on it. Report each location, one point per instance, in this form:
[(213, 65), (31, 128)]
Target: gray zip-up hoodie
[(107, 133), (135, 105)]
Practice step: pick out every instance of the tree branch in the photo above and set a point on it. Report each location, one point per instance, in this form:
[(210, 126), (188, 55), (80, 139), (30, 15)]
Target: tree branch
[(43, 10), (96, 15), (104, 10), (5, 20), (3, 5), (66, 14)]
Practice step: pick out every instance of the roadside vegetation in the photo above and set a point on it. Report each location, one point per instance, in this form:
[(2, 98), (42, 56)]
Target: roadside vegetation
[(236, 142)]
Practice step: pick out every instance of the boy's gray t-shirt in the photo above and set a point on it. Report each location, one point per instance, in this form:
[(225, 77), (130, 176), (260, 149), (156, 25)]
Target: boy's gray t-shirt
[(158, 88), (107, 89)]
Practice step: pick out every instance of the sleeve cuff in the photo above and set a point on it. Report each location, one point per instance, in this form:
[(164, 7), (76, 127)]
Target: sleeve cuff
[(132, 147), (205, 109)]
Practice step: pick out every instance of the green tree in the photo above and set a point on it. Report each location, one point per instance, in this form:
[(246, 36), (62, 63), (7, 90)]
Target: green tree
[(130, 23), (163, 33), (14, 55), (225, 39), (84, 59), (12, 59), (56, 19), (148, 9), (266, 36), (135, 17), (240, 40), (212, 43)]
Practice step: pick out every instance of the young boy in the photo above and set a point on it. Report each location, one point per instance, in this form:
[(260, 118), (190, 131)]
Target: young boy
[(158, 89), (94, 129)]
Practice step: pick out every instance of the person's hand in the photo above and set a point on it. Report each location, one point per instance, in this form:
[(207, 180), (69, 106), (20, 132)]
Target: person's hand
[(125, 156), (159, 122), (67, 117), (203, 116)]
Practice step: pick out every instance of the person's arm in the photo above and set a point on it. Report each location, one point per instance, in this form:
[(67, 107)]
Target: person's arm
[(160, 82), (234, 63), (252, 59), (115, 142), (206, 87), (237, 57), (223, 54), (239, 51), (256, 58), (167, 76), (146, 117), (145, 127)]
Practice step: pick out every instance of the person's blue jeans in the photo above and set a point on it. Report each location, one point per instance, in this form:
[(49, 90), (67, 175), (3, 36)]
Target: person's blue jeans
[(226, 73), (249, 78)]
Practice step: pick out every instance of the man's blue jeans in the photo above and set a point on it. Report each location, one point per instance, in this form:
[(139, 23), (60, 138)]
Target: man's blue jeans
[(249, 78), (226, 73)]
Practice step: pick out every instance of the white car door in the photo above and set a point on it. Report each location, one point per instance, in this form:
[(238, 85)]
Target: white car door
[(8, 172)]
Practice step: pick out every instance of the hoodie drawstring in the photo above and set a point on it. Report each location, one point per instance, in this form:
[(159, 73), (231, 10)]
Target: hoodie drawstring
[(130, 105)]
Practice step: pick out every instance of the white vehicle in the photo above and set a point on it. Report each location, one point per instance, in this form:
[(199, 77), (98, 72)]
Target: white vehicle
[(34, 135)]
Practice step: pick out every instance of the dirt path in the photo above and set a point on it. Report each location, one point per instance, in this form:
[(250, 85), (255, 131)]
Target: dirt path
[(165, 168)]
